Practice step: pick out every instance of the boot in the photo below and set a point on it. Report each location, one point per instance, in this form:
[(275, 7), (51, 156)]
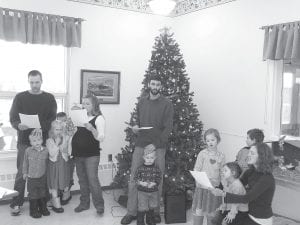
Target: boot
[(33, 209), (42, 202), (150, 217), (56, 206), (140, 218)]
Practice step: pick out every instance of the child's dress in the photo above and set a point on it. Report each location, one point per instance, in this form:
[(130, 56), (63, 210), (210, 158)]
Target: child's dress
[(58, 167), (204, 202)]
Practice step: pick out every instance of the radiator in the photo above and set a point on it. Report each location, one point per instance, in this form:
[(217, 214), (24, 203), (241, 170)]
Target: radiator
[(106, 173)]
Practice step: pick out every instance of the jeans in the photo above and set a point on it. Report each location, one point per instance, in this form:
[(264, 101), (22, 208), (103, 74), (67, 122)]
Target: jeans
[(87, 172), (72, 166), (137, 160), (147, 200), (19, 181)]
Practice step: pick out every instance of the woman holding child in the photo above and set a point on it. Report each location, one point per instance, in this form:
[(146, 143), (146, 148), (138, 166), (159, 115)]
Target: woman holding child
[(260, 186)]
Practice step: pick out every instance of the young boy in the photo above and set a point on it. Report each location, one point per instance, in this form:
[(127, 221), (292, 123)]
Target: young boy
[(34, 170), (147, 177), (254, 136)]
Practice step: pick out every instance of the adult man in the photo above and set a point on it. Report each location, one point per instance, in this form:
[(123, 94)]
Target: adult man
[(154, 111), (31, 102)]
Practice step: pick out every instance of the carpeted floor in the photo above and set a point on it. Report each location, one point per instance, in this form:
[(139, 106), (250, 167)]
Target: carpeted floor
[(112, 216)]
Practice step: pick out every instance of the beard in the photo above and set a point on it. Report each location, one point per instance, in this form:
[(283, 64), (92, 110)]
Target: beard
[(35, 89), (154, 91)]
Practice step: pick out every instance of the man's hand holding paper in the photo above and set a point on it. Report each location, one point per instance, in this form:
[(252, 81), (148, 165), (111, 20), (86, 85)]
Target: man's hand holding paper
[(22, 126)]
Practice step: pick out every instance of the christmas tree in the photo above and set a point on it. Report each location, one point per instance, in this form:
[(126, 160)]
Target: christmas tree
[(185, 140)]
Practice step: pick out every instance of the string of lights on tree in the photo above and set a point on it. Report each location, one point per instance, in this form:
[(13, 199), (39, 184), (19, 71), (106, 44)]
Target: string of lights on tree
[(185, 140)]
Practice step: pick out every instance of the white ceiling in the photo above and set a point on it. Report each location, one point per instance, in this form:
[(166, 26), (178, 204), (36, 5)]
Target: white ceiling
[(182, 7)]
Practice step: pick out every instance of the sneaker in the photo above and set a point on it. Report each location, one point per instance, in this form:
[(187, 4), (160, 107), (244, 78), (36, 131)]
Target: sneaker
[(15, 211), (80, 208), (157, 218), (127, 219)]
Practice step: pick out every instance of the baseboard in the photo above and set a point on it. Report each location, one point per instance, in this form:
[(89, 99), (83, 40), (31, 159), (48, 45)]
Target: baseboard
[(296, 221), (74, 192)]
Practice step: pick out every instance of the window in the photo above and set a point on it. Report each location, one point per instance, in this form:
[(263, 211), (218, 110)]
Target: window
[(290, 107), (17, 60)]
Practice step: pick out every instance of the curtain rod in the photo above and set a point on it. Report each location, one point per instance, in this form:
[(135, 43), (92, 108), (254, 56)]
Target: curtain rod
[(263, 27), (68, 17)]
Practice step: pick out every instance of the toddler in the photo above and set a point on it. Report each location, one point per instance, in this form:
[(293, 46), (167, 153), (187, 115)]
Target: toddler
[(147, 177), (34, 170), (232, 213), (58, 167), (69, 130)]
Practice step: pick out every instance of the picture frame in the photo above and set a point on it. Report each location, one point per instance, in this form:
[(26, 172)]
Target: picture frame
[(105, 85)]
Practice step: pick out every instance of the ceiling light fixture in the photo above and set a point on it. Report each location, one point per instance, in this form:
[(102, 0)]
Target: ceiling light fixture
[(162, 7)]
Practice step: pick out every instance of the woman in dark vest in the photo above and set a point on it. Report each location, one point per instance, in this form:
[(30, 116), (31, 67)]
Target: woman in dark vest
[(86, 151)]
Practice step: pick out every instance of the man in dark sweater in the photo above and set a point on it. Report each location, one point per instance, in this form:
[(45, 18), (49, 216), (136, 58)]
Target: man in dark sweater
[(31, 102), (155, 111)]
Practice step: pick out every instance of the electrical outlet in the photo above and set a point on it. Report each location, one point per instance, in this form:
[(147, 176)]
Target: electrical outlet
[(109, 157)]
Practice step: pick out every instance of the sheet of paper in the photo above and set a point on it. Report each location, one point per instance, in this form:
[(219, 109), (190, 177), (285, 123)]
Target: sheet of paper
[(32, 121), (79, 117), (145, 128), (2, 192), (139, 128), (201, 178)]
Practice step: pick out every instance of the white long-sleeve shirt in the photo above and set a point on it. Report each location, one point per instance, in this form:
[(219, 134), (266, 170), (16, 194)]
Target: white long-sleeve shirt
[(100, 127)]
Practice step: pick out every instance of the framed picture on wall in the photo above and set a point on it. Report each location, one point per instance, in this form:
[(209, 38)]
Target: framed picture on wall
[(105, 85)]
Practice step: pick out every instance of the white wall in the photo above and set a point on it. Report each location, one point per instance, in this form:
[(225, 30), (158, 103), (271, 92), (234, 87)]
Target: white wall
[(222, 47)]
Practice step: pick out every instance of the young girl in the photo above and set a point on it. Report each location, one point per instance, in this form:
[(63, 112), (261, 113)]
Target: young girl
[(86, 151), (68, 130), (232, 213), (58, 168), (209, 160)]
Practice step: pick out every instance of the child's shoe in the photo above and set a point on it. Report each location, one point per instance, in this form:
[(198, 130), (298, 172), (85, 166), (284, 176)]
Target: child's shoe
[(15, 211), (33, 209), (56, 206)]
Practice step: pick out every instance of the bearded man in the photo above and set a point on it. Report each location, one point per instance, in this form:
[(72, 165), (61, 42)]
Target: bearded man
[(155, 111)]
